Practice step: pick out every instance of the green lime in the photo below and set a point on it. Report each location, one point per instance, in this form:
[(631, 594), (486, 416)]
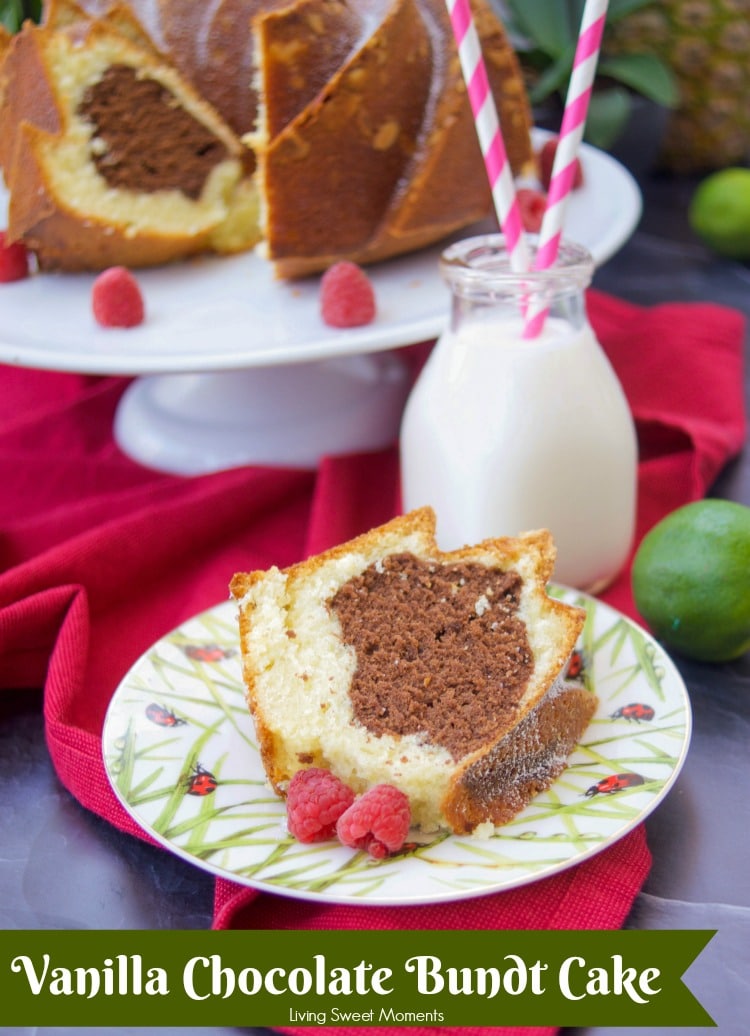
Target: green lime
[(691, 580), (719, 212)]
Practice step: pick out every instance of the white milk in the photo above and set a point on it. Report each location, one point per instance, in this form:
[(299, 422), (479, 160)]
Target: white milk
[(503, 434)]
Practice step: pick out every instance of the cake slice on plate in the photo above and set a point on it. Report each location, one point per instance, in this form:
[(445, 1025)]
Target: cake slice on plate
[(386, 660)]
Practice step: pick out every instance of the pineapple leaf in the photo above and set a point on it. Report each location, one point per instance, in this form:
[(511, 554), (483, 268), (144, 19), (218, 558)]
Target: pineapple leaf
[(13, 13), (553, 78), (548, 27), (547, 36), (645, 74), (609, 111), (554, 27)]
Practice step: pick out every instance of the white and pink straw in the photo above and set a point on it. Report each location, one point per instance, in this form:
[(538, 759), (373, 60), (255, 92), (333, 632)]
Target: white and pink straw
[(571, 134), (489, 133), (493, 148)]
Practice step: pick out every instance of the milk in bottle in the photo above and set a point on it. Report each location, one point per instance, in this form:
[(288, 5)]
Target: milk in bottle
[(504, 433)]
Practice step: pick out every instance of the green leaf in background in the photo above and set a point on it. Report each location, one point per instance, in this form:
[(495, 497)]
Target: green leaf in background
[(645, 74), (553, 79), (609, 111), (548, 25), (552, 26), (545, 34), (13, 13)]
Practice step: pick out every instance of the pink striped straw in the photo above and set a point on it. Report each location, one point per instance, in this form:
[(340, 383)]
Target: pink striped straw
[(571, 134), (488, 131)]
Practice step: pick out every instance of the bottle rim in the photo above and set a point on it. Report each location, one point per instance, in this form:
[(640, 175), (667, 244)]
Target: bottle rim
[(482, 263)]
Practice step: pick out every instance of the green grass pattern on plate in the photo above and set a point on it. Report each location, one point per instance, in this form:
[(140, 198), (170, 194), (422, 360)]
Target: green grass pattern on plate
[(238, 829)]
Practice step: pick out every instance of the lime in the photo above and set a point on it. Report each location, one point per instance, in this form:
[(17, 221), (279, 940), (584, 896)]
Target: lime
[(719, 212), (691, 580)]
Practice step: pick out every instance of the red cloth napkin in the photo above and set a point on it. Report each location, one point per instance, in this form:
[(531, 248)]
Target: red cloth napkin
[(100, 557)]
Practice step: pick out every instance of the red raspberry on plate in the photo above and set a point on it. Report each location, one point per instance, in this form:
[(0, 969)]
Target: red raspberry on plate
[(347, 298), (14, 260), (116, 298), (531, 205), (378, 821), (546, 158), (315, 800)]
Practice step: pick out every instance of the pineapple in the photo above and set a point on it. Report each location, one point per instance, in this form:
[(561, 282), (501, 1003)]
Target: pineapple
[(706, 44)]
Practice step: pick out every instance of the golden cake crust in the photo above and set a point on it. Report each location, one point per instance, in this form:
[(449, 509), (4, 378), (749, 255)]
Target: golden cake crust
[(404, 166)]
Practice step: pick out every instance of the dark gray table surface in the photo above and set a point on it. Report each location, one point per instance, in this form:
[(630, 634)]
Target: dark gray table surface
[(698, 836)]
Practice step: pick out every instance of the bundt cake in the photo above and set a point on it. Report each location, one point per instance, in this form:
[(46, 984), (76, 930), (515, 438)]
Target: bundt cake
[(143, 131), (109, 154), (386, 660)]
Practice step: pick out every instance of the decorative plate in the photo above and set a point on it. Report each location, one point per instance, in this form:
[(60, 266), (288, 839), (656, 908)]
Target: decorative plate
[(180, 752)]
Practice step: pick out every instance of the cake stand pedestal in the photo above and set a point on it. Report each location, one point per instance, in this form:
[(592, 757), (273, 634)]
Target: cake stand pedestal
[(285, 416)]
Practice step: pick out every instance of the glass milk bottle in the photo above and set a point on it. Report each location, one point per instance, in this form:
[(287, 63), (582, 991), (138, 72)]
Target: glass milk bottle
[(504, 434)]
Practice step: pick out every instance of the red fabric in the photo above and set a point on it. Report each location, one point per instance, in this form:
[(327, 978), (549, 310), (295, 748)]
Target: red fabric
[(100, 557)]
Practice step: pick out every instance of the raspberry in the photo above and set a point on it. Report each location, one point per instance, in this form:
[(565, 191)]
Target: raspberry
[(14, 260), (347, 298), (531, 204), (546, 159), (378, 821), (315, 800), (116, 298)]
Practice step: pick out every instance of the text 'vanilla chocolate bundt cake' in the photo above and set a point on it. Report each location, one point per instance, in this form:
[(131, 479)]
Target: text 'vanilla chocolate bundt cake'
[(386, 660), (144, 131)]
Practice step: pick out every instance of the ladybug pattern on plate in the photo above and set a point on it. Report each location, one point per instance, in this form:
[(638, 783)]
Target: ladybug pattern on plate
[(614, 783), (201, 782), (576, 667), (637, 711), (162, 716), (207, 652)]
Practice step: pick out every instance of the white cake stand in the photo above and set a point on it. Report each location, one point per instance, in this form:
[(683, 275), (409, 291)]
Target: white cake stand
[(236, 367), (286, 416)]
